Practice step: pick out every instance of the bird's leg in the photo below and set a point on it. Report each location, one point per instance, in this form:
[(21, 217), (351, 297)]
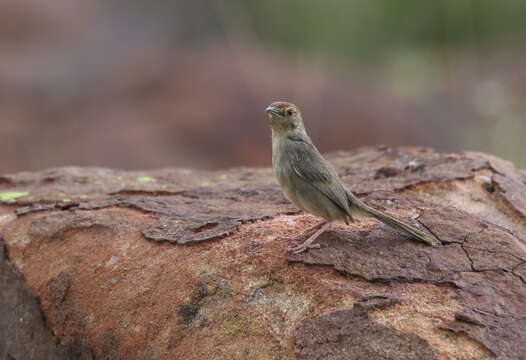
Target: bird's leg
[(307, 243), (308, 231)]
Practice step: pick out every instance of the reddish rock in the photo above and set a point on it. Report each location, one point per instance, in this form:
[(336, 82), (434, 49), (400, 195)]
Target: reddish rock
[(108, 264)]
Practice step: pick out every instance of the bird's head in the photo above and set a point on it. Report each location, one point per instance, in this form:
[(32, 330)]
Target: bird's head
[(284, 116)]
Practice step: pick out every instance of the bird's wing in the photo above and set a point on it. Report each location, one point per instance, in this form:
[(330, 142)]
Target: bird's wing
[(307, 163)]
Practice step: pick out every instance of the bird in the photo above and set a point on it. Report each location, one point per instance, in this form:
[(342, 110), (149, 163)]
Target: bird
[(312, 184)]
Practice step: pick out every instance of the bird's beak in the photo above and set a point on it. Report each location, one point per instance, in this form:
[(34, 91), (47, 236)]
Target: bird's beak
[(273, 110)]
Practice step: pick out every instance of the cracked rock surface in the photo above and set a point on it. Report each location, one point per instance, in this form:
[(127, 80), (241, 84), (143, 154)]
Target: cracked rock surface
[(107, 264)]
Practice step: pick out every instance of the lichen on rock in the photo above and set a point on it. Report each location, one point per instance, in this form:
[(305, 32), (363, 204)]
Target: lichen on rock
[(172, 263)]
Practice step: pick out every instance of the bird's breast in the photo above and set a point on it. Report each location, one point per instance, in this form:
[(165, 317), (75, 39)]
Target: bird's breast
[(282, 168)]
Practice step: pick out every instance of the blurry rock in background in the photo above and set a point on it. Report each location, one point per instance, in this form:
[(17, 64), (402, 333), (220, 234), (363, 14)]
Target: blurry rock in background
[(135, 84)]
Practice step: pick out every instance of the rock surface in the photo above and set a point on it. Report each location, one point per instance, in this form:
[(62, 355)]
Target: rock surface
[(173, 264)]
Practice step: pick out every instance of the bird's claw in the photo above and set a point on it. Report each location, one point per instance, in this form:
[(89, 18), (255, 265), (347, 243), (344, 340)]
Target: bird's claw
[(301, 248), (318, 245), (291, 239)]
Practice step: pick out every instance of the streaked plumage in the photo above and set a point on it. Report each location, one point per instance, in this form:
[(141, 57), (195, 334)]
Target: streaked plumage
[(310, 182)]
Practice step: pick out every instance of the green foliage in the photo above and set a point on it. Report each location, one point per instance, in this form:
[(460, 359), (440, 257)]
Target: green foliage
[(358, 29), (364, 29)]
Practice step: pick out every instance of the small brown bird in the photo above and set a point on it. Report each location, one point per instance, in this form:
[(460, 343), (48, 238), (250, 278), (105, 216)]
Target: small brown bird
[(312, 184)]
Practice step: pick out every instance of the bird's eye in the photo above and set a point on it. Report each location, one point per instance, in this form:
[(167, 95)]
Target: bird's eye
[(290, 112)]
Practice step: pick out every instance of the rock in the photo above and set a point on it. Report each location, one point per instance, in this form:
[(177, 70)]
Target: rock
[(107, 264), (339, 335), (23, 330)]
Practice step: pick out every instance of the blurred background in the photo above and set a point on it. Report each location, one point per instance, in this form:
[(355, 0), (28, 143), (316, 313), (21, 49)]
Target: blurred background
[(146, 84)]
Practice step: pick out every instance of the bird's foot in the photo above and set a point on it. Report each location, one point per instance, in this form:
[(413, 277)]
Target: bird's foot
[(303, 247), (307, 244), (293, 239), (306, 233)]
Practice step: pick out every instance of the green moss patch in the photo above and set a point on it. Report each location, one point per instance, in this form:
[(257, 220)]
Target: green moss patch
[(145, 179), (11, 196)]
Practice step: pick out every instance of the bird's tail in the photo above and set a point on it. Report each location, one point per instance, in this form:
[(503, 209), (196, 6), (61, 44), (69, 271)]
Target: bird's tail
[(396, 224)]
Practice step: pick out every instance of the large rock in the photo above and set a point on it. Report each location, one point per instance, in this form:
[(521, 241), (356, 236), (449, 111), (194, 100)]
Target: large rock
[(182, 264)]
